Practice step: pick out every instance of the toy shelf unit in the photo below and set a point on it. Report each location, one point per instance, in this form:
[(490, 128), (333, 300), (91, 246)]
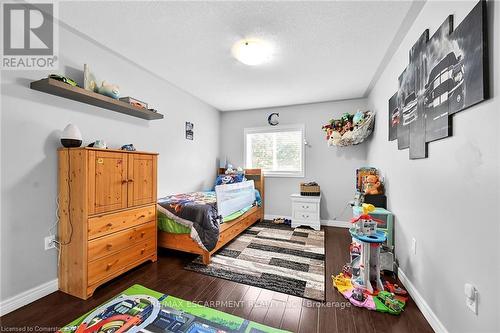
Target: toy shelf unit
[(61, 89)]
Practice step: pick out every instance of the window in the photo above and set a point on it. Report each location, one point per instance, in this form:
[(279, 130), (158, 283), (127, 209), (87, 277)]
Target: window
[(279, 151)]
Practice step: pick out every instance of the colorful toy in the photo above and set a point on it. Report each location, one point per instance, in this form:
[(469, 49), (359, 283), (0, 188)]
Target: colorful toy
[(360, 281), (365, 225), (390, 302)]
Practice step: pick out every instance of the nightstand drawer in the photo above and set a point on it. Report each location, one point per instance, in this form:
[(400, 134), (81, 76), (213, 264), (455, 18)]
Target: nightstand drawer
[(305, 207), (306, 216)]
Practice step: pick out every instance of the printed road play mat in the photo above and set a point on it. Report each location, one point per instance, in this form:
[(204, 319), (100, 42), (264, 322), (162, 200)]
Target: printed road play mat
[(139, 309)]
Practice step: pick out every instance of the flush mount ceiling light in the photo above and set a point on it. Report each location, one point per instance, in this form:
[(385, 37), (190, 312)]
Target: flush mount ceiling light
[(253, 51)]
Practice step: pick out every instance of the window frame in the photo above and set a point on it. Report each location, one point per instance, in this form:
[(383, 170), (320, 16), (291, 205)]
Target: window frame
[(275, 129)]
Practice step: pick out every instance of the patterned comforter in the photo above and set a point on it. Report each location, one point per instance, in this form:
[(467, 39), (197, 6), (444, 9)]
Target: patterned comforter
[(196, 210)]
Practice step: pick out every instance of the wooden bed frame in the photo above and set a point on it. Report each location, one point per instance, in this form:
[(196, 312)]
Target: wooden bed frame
[(228, 230)]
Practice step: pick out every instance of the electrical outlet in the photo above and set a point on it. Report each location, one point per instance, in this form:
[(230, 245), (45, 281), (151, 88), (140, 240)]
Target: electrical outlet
[(50, 242), (413, 246)]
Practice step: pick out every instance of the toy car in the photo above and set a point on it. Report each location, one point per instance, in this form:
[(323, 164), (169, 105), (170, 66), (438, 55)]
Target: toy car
[(63, 79), (358, 295), (389, 301)]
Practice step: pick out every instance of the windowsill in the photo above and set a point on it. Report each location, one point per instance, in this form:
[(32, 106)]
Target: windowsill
[(283, 175)]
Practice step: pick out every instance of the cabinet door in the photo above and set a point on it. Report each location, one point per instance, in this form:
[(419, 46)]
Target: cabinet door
[(141, 179), (107, 181)]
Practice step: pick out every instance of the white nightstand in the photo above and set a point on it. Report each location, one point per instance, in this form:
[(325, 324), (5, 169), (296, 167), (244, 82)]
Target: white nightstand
[(305, 211)]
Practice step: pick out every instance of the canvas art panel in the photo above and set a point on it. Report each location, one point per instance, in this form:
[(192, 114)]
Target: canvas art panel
[(445, 74)]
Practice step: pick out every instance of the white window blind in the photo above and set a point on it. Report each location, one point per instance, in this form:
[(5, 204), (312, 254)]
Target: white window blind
[(278, 151)]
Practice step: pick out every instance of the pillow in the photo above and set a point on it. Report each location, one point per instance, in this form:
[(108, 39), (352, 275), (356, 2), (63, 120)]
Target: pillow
[(230, 179)]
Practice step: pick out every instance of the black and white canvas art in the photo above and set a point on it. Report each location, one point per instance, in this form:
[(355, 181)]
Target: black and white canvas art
[(445, 74), (393, 117)]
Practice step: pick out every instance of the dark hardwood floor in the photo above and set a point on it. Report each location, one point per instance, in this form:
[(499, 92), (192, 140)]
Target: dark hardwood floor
[(260, 305)]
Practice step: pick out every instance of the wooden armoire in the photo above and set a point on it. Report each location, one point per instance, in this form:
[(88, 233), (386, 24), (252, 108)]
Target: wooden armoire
[(107, 215)]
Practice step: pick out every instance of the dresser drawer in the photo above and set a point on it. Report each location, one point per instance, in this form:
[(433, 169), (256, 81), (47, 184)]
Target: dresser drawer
[(310, 207), (106, 245), (106, 224), (118, 262)]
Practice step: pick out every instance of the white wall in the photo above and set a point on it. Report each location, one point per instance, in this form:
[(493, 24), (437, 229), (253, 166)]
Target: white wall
[(333, 168), (449, 201), (31, 122)]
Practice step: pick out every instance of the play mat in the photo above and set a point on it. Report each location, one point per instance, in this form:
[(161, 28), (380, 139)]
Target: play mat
[(139, 309)]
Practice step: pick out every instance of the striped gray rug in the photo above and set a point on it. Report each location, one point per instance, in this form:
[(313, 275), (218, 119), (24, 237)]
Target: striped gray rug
[(275, 257)]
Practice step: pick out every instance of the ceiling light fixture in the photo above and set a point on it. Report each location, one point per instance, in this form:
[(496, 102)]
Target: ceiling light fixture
[(253, 51)]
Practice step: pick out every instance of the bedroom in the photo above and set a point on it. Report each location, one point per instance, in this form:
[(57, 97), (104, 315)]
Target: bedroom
[(223, 79)]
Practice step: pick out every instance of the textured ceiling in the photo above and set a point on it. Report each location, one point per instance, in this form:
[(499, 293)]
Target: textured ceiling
[(324, 50)]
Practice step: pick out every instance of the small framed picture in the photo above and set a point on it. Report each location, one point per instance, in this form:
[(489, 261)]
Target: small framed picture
[(189, 130)]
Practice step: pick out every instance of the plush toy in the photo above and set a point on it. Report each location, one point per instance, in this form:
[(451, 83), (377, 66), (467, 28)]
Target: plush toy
[(358, 117), (334, 138), (373, 185)]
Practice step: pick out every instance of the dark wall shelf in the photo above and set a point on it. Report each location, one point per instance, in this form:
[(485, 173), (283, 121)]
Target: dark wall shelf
[(58, 88)]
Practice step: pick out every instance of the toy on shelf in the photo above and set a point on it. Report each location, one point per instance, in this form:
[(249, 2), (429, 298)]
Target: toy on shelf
[(360, 281)]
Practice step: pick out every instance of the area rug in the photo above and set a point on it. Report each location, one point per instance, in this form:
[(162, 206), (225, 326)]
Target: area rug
[(274, 257), (139, 309)]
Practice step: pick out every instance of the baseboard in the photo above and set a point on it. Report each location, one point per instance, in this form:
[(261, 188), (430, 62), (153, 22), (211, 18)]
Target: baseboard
[(27, 297), (336, 223), (431, 317)]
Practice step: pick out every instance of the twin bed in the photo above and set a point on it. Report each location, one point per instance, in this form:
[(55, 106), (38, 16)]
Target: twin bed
[(203, 222)]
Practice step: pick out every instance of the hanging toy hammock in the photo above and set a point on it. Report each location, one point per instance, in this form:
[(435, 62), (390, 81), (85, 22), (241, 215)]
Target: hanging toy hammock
[(350, 129)]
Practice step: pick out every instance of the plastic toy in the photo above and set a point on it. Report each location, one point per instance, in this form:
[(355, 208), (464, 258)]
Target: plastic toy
[(365, 225), (395, 289), (388, 299)]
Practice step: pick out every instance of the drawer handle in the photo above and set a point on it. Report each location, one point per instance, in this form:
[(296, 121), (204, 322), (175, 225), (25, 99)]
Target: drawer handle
[(109, 225), (305, 207), (142, 234), (109, 246), (130, 180), (305, 216), (142, 251), (142, 216), (111, 265)]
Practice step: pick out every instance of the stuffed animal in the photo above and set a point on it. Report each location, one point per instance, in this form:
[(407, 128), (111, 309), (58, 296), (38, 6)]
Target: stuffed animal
[(373, 185), (358, 117)]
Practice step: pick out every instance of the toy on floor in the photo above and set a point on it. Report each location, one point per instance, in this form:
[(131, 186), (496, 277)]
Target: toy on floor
[(360, 280)]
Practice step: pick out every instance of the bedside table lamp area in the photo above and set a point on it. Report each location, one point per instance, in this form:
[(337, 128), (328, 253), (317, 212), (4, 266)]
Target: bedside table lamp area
[(305, 211)]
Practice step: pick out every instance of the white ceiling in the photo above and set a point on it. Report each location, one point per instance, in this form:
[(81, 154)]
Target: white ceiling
[(325, 50)]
